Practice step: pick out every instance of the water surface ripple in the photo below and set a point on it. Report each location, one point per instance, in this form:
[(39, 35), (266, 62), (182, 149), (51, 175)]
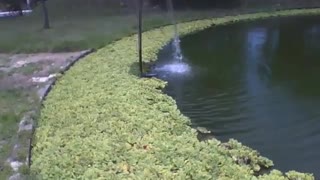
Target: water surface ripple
[(257, 82)]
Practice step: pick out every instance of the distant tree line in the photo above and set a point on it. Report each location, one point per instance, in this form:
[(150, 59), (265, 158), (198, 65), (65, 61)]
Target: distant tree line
[(12, 5), (16, 5)]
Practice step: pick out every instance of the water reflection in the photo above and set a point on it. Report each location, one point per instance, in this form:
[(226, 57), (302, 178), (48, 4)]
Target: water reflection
[(256, 82), (256, 66)]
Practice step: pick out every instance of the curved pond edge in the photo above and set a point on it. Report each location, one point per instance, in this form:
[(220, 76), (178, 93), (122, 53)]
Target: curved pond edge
[(101, 120)]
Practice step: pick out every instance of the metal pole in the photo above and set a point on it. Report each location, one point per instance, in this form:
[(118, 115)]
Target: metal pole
[(140, 35)]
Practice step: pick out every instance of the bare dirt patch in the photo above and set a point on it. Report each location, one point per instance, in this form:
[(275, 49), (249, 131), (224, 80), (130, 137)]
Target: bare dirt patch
[(21, 70), (24, 81)]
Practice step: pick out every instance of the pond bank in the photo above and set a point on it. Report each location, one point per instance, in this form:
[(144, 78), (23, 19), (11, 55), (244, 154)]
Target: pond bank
[(94, 126), (248, 79)]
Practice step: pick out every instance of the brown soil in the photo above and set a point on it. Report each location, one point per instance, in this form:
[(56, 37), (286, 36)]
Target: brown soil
[(13, 67)]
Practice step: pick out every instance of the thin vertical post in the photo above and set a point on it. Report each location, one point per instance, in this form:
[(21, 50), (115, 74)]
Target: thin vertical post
[(140, 6), (45, 15)]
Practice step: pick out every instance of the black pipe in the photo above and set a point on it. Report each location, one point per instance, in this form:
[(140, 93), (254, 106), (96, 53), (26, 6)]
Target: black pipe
[(140, 5)]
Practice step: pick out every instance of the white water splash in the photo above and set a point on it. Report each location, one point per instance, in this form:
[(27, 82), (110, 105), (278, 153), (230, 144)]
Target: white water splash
[(177, 54), (177, 68)]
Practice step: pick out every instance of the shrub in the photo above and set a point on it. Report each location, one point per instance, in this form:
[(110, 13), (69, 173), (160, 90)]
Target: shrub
[(101, 121)]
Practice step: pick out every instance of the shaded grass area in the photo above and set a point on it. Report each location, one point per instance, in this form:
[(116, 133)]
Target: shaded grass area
[(83, 24), (73, 32)]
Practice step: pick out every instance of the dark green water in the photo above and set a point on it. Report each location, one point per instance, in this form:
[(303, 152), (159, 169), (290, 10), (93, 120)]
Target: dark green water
[(257, 82)]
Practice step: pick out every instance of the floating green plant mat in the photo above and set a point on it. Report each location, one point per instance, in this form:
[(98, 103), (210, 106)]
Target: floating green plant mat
[(101, 121)]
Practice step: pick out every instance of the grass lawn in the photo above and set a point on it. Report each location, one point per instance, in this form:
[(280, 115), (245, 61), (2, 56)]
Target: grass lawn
[(12, 106), (84, 24), (83, 27), (73, 33)]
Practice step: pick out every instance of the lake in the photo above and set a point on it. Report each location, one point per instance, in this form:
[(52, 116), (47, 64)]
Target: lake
[(257, 82)]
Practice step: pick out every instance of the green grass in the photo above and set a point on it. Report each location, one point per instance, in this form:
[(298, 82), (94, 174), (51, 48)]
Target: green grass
[(5, 171), (77, 27), (28, 69), (101, 121), (72, 33), (13, 104)]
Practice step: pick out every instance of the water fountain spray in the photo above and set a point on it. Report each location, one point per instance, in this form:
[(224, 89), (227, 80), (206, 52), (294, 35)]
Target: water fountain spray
[(178, 66), (176, 40)]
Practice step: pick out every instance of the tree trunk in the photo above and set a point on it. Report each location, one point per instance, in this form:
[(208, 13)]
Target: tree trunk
[(46, 24), (17, 7), (20, 12)]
